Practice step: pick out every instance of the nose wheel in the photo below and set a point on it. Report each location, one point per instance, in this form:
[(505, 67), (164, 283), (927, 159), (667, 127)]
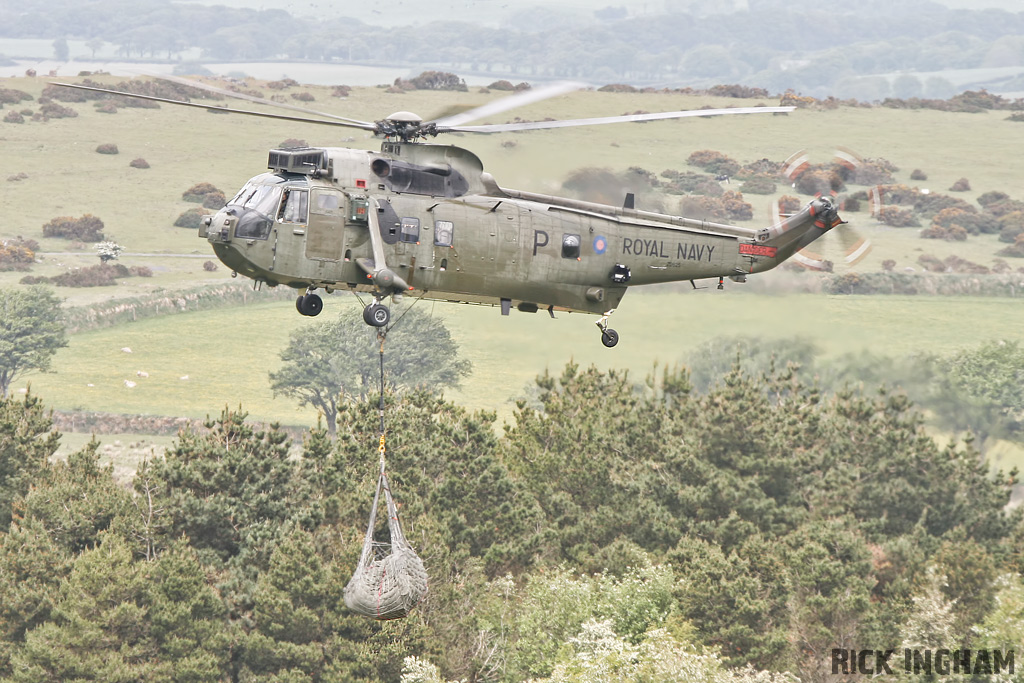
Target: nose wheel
[(609, 337)]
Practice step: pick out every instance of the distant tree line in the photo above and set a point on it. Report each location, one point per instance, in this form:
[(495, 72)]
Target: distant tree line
[(775, 45), (669, 530)]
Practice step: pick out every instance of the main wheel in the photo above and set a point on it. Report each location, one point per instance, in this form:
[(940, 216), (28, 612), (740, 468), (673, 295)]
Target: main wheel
[(298, 304), (609, 337), (310, 304), (376, 315)]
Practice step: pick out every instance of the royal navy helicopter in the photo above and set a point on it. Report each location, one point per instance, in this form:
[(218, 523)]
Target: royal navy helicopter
[(423, 219)]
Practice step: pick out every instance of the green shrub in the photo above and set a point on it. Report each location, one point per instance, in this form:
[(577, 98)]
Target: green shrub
[(88, 228), (758, 185), (17, 254), (197, 192), (139, 163), (191, 219), (107, 148), (713, 162), (52, 110), (214, 200)]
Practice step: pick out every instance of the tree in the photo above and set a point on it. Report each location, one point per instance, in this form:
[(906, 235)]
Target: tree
[(31, 331), (60, 50), (26, 444), (325, 362)]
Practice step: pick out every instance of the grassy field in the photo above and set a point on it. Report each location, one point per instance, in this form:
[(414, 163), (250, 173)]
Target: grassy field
[(507, 353), (183, 146), (228, 354)]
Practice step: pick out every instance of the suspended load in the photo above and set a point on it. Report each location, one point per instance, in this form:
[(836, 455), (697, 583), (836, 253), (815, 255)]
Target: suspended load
[(390, 579)]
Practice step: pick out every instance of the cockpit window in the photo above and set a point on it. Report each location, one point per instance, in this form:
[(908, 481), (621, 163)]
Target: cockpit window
[(264, 199), (294, 206)]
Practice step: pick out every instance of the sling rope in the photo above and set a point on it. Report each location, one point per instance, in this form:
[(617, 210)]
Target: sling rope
[(386, 587)]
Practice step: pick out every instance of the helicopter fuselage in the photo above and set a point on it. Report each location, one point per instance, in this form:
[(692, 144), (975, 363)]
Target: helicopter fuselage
[(447, 231)]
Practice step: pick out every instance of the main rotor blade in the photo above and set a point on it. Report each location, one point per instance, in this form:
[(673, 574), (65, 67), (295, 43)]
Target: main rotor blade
[(520, 99), (534, 125), (218, 109), (252, 98)]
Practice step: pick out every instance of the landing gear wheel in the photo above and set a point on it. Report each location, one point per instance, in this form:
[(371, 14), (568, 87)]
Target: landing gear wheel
[(376, 315), (609, 337), (298, 304), (310, 304)]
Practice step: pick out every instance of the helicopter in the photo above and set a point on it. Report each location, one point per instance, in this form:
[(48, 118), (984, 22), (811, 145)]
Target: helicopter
[(425, 220)]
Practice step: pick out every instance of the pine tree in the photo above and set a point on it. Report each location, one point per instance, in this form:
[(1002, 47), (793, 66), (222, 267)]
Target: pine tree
[(190, 635), (99, 630), (26, 444)]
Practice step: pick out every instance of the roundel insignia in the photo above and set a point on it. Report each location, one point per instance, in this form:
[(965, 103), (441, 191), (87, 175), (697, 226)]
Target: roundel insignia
[(600, 245)]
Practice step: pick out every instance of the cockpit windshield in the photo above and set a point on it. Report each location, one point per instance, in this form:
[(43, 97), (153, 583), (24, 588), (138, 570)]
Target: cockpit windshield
[(258, 202), (261, 198)]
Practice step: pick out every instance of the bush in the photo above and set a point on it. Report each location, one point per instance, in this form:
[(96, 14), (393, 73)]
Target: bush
[(12, 96), (139, 163), (820, 180), (303, 97), (788, 204), (713, 162), (970, 220), (992, 198), (282, 84), (1011, 228), (433, 80), (214, 200), (341, 91), (1016, 250), (685, 183), (88, 228), (953, 233), (897, 217), (14, 117), (191, 219), (873, 172), (758, 185), (501, 85), (918, 174), (617, 87), (106, 107), (107, 148), (34, 280), (140, 271), (17, 254), (209, 266), (102, 275), (52, 110), (197, 192), (292, 143), (740, 91), (962, 185), (736, 208)]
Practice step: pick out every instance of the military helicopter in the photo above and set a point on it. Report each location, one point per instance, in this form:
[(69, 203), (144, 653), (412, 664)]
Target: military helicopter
[(426, 220)]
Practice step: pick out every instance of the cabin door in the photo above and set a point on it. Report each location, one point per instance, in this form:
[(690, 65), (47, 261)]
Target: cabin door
[(325, 234)]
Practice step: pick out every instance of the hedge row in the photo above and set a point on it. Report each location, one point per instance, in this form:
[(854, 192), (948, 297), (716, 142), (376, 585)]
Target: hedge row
[(110, 313)]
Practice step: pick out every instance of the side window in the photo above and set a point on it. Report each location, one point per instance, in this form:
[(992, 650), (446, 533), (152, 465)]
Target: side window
[(325, 202), (570, 246), (410, 229), (294, 206), (443, 233)]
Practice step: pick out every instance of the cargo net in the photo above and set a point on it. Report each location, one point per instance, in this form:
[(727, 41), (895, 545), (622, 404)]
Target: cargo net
[(390, 579)]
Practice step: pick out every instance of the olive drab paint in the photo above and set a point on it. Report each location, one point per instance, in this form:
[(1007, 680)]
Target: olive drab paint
[(426, 220)]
